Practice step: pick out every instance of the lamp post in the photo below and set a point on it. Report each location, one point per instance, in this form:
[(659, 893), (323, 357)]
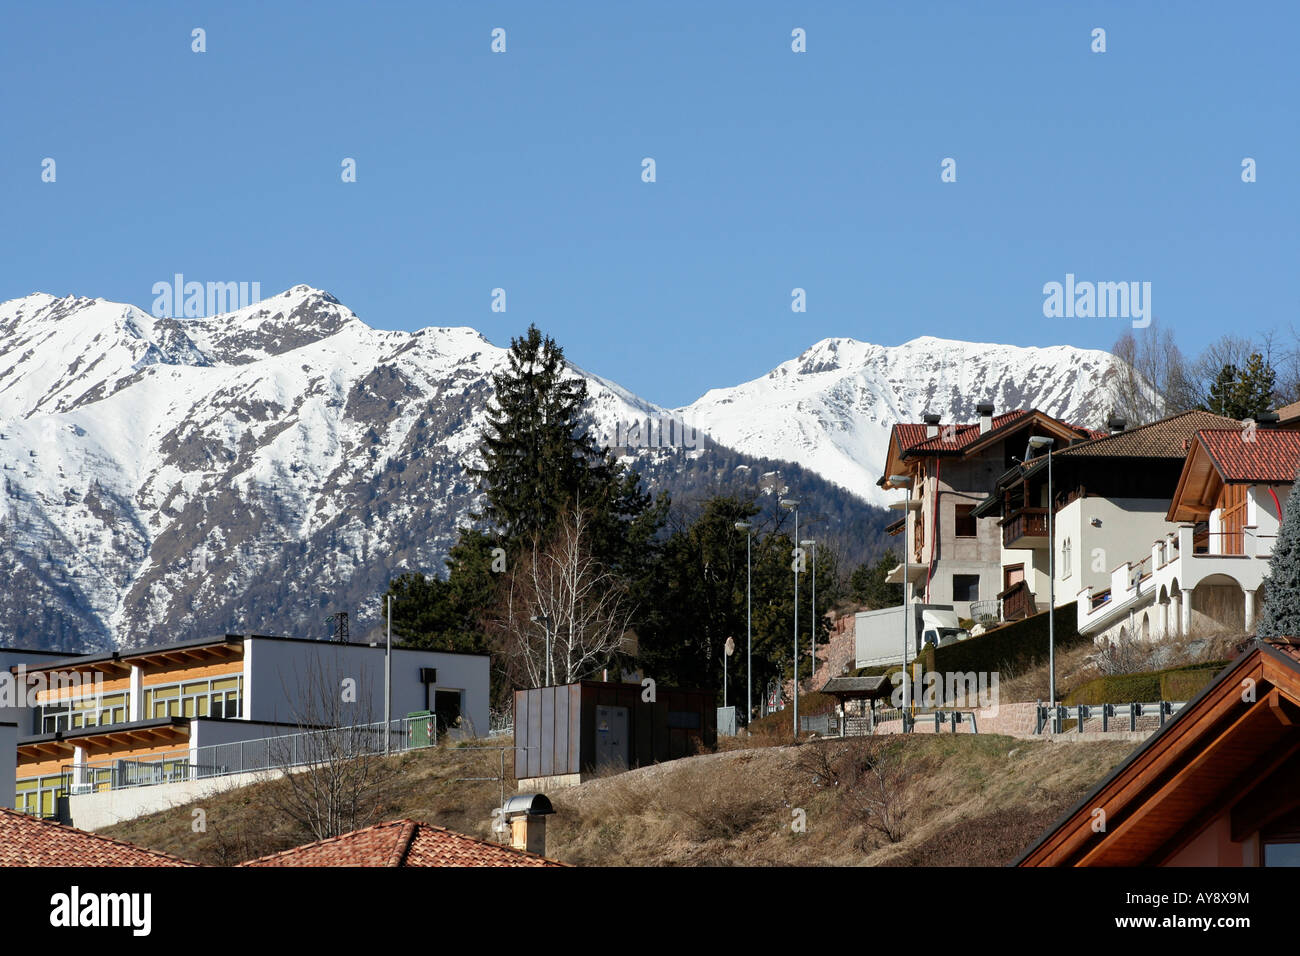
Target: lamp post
[(545, 621), (748, 528), (388, 680), (811, 544), (904, 482), (1043, 441), (792, 504)]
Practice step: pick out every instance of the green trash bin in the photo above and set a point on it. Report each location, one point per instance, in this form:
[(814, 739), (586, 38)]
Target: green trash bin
[(423, 733)]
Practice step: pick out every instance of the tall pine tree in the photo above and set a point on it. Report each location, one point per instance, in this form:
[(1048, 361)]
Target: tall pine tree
[(539, 459), (1280, 615)]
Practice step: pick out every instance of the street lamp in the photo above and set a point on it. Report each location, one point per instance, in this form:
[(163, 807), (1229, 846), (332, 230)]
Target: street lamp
[(545, 621), (1036, 442), (904, 482), (792, 504), (811, 544), (748, 528)]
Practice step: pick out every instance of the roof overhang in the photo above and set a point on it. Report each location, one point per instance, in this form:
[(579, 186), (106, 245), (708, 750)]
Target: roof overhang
[(98, 741), (1210, 759), (1199, 485), (915, 573)]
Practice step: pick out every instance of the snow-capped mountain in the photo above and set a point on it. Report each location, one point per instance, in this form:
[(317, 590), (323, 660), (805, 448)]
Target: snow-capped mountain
[(831, 409), (260, 469), (171, 472)]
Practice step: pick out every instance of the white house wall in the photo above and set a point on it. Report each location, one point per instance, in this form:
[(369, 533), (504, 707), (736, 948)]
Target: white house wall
[(1128, 527), (280, 675)]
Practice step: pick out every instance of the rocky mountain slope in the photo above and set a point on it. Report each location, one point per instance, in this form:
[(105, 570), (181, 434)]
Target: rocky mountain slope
[(163, 479)]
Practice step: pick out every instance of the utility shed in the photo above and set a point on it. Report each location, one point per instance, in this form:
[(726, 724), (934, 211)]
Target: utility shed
[(565, 734)]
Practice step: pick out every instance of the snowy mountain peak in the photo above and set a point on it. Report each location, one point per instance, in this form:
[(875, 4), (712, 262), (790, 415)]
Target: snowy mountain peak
[(831, 408), (169, 477)]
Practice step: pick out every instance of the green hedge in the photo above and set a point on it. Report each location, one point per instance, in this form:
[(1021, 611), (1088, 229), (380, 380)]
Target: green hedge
[(1011, 647), (1172, 683)]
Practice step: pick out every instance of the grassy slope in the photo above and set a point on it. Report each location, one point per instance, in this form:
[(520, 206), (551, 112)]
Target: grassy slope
[(963, 800)]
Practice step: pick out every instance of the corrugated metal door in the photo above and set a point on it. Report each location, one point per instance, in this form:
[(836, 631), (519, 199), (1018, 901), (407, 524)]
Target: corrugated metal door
[(612, 741)]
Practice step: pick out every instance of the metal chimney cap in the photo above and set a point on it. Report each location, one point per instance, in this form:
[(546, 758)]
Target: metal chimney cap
[(532, 804), (984, 408), (931, 419)]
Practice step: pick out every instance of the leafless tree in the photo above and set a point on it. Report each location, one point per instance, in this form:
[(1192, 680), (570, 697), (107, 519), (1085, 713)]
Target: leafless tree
[(868, 773), (1124, 655), (581, 605), (333, 770), (1152, 379)]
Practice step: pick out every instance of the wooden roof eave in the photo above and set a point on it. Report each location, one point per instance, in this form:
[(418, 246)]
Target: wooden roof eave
[(1072, 841), (1198, 487)]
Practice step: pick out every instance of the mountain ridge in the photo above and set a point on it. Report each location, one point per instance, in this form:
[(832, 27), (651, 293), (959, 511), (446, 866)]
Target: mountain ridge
[(256, 469)]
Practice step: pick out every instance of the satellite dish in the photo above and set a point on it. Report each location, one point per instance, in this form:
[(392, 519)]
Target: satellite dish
[(731, 646)]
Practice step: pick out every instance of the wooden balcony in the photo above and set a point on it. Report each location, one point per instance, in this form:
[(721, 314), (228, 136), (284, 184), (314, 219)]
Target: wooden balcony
[(1017, 602), (1025, 528)]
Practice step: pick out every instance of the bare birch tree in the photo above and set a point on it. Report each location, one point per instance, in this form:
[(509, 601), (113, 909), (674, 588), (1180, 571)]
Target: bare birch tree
[(557, 593), (1151, 379), (333, 770)]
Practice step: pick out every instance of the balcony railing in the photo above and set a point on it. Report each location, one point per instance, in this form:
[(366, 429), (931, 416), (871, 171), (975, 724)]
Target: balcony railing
[(986, 612), (1017, 602), (1024, 523)]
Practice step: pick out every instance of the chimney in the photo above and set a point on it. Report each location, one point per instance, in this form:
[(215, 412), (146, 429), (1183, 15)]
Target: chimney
[(1115, 424), (985, 412), (931, 425), (525, 814)]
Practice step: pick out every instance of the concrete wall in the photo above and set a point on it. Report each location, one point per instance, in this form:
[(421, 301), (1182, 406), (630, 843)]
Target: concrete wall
[(285, 678), (960, 482), (92, 811), (8, 763)]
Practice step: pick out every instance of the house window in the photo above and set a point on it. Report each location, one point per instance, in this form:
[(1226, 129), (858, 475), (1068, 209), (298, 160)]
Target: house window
[(1282, 854), (1065, 558), (965, 587), (964, 522)]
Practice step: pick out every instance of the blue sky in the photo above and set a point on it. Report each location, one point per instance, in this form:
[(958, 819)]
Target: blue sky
[(775, 170)]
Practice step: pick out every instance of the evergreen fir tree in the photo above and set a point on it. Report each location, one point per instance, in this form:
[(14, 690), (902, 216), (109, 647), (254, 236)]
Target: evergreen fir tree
[(1242, 393), (1280, 615), (539, 460)]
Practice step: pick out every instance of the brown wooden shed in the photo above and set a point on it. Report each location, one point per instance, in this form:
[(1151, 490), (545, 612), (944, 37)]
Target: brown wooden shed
[(574, 729)]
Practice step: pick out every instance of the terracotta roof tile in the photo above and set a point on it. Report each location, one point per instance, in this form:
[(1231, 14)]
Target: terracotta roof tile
[(403, 843), (26, 840), (912, 436), (1269, 455), (1167, 438)]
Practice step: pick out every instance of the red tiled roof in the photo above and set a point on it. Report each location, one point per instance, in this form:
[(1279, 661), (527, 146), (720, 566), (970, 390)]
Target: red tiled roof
[(1262, 454), (26, 840), (403, 843), (911, 435)]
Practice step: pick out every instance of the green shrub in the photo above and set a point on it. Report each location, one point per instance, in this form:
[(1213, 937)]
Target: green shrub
[(1011, 648), (1186, 683), (1172, 683)]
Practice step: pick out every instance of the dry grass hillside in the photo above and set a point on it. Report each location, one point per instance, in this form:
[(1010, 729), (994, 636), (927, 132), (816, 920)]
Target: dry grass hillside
[(923, 800)]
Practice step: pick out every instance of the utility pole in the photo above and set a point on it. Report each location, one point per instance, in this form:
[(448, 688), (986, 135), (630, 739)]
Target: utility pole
[(388, 680), (746, 527)]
